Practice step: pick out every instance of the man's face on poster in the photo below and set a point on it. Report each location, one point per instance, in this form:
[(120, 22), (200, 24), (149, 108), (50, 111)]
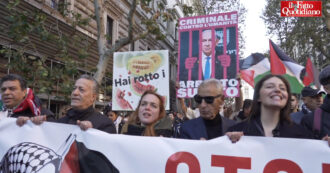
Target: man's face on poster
[(207, 42)]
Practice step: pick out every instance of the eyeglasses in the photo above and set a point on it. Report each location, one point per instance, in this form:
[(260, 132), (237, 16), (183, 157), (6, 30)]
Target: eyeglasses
[(208, 99)]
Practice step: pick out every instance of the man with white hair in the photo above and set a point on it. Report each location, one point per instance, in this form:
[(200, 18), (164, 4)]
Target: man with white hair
[(82, 113), (210, 124), (83, 96)]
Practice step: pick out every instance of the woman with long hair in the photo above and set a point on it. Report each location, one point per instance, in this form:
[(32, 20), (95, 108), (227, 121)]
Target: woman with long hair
[(149, 118), (270, 112)]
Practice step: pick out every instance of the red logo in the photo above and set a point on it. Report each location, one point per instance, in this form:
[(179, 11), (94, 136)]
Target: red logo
[(301, 8)]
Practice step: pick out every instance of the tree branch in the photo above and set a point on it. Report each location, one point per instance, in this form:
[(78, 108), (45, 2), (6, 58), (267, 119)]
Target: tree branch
[(319, 47), (100, 40), (124, 41)]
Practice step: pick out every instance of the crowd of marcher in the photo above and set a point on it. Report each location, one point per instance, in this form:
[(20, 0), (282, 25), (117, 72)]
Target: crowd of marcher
[(273, 112)]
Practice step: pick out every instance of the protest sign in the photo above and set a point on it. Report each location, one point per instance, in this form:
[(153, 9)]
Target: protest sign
[(202, 53), (138, 71)]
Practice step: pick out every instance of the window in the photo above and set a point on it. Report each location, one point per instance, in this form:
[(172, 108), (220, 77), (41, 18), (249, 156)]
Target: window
[(109, 30), (54, 4), (59, 5)]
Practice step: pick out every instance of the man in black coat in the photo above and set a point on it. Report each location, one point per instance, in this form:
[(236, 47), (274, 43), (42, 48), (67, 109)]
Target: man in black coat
[(82, 113), (308, 120), (210, 124)]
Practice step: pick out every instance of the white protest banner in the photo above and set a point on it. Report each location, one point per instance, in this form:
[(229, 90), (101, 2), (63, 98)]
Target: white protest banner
[(138, 71), (131, 154)]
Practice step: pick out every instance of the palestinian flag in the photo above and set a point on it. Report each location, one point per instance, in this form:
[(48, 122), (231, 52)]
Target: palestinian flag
[(281, 64), (311, 75), (254, 67)]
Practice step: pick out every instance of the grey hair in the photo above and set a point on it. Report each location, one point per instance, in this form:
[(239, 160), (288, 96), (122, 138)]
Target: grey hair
[(95, 83), (212, 81)]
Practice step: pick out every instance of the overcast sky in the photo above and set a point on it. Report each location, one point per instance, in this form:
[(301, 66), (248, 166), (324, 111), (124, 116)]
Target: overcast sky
[(256, 39)]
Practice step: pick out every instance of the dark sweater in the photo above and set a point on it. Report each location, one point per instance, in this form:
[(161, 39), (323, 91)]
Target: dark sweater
[(213, 127), (162, 128), (99, 121), (284, 129)]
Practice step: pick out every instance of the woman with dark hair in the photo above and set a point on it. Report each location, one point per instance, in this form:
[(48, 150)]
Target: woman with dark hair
[(246, 110), (270, 112), (149, 117)]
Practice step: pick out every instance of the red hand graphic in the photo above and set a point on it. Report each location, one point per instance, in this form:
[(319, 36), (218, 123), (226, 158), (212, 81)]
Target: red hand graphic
[(225, 62), (189, 64)]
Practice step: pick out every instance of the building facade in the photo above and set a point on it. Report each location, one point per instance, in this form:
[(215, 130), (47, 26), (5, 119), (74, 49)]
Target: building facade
[(114, 20)]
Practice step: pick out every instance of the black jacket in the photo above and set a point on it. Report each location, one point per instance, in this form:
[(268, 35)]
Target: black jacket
[(240, 117), (99, 121), (253, 127), (196, 128), (297, 116), (308, 120), (162, 128)]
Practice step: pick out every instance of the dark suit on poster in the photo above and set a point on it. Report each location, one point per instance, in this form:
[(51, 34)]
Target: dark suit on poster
[(207, 51)]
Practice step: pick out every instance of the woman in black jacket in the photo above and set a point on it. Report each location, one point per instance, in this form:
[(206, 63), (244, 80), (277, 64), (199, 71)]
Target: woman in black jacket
[(149, 117), (270, 112)]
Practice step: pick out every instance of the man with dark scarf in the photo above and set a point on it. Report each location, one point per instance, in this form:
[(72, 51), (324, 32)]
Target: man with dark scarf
[(82, 113), (20, 101), (210, 124)]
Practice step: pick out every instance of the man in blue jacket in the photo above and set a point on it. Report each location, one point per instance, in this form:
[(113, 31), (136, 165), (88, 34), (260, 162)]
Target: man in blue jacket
[(210, 124)]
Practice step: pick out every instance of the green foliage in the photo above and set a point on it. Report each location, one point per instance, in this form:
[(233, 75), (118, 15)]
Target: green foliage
[(50, 75), (160, 13), (187, 10), (299, 37)]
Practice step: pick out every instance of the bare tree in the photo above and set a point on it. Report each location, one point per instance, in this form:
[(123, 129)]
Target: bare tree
[(151, 25)]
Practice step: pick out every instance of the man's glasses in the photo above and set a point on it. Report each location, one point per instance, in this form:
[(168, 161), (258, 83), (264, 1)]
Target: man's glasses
[(208, 99)]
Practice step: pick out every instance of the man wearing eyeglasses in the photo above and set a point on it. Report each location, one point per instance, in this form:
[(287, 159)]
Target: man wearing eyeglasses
[(210, 124)]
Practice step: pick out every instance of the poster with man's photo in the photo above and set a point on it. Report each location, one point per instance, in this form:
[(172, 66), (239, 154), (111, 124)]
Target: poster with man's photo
[(208, 48)]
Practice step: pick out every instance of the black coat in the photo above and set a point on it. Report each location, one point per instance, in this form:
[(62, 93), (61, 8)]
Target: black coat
[(308, 120), (196, 129), (138, 131), (284, 129), (99, 121), (162, 128)]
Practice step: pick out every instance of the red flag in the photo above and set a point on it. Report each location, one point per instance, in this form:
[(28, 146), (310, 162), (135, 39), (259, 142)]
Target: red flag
[(276, 65), (309, 76), (248, 76), (70, 163)]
